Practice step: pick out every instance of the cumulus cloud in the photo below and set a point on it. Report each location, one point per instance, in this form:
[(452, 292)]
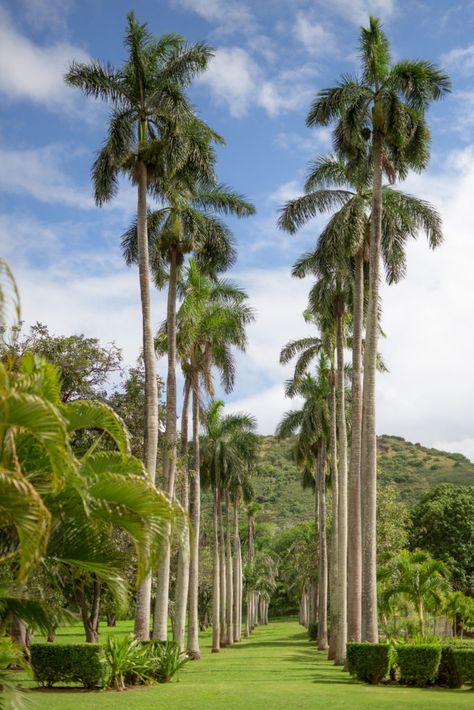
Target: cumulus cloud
[(460, 58), (33, 72), (228, 15), (235, 79), (46, 14), (42, 173), (358, 11), (314, 37), (38, 172)]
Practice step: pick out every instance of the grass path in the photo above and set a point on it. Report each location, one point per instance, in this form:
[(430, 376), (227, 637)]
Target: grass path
[(274, 670)]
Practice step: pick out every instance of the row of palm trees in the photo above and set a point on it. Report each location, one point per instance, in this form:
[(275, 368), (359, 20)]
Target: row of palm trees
[(380, 134), (156, 140)]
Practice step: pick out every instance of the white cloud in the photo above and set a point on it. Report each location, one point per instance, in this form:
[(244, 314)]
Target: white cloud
[(230, 16), (43, 173), (358, 11), (313, 36), (461, 58), (32, 72), (315, 140), (287, 191), (46, 14), (235, 79), (39, 172), (428, 396), (232, 78)]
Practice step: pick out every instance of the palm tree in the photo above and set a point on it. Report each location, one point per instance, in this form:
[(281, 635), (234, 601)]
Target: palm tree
[(312, 425), (64, 505), (333, 182), (229, 444), (188, 223), (387, 105), (149, 112), (416, 577), (211, 320)]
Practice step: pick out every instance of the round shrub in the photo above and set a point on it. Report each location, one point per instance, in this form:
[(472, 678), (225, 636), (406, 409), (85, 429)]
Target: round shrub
[(369, 662), (418, 664)]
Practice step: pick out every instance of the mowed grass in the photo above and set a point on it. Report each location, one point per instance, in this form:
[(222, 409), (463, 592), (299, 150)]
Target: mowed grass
[(275, 669)]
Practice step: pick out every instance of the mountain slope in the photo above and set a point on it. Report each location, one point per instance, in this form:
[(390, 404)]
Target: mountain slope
[(415, 469)]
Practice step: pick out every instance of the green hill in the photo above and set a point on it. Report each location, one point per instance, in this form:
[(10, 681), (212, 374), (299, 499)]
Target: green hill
[(412, 467)]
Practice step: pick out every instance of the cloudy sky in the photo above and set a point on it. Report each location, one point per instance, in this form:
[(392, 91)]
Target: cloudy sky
[(271, 57)]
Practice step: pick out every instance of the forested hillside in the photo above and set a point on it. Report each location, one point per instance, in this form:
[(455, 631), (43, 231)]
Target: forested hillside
[(412, 467)]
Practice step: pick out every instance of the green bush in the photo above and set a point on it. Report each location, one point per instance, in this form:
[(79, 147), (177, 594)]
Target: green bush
[(464, 664), (166, 660), (128, 661), (79, 663), (448, 675), (418, 663), (369, 662), (313, 632)]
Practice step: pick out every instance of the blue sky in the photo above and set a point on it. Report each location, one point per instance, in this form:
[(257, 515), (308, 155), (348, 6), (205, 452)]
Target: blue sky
[(271, 58)]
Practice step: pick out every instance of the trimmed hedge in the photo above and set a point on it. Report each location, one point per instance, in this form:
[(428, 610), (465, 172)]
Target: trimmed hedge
[(369, 662), (464, 664), (448, 675), (79, 663), (313, 632), (418, 664)]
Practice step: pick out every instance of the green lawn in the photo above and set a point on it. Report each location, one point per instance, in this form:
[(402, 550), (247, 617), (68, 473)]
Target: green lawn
[(275, 669)]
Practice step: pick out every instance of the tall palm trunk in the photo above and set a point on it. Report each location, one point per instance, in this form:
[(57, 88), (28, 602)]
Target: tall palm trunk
[(160, 626), (369, 440), (143, 597), (354, 549), (322, 640), (195, 519), (182, 578), (229, 576), (223, 574), (216, 592), (237, 572), (334, 537), (341, 639)]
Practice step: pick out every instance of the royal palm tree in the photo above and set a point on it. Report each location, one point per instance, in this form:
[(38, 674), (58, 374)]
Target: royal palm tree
[(151, 122), (311, 424), (386, 105), (229, 444), (211, 320), (188, 223), (334, 183)]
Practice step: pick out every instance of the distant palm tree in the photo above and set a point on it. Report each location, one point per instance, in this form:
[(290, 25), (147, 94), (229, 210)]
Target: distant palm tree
[(311, 425), (211, 320), (387, 105), (229, 444), (152, 126)]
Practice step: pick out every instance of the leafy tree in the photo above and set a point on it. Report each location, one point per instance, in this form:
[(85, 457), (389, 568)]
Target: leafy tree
[(152, 129), (84, 364), (443, 523)]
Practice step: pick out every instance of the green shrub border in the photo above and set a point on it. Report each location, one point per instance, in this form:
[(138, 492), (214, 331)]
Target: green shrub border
[(369, 662), (76, 663), (418, 663)]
